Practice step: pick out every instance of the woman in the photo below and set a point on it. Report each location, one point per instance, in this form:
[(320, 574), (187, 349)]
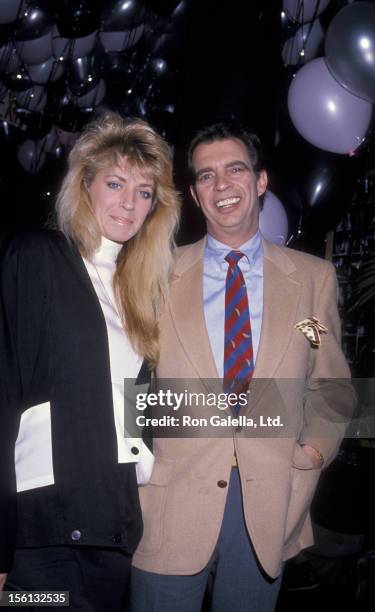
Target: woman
[(79, 314)]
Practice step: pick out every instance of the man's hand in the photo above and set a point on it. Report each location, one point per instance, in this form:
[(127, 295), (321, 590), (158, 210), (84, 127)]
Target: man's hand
[(314, 455), (3, 578)]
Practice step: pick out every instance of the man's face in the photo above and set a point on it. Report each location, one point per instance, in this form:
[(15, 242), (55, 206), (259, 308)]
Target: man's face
[(227, 190)]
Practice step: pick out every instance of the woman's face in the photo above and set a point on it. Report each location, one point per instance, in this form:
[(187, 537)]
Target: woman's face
[(121, 198)]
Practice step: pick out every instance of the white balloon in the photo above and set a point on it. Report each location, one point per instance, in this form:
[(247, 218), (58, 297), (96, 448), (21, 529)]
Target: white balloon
[(273, 221), (304, 45), (304, 10), (325, 113)]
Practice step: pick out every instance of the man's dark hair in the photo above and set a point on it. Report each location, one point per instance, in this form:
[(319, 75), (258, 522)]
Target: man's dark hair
[(222, 131)]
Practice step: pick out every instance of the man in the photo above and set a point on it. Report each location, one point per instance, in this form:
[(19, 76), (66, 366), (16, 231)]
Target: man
[(226, 512)]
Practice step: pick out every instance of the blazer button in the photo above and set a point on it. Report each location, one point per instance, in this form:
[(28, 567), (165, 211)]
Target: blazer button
[(76, 535), (135, 450), (222, 484), (117, 538)]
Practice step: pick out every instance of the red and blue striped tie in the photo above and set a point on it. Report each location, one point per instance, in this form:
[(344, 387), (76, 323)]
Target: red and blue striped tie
[(238, 344)]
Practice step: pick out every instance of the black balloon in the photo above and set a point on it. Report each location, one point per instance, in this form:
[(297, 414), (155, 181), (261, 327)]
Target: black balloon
[(83, 75), (34, 22), (122, 15), (164, 8), (324, 182), (76, 19), (18, 80)]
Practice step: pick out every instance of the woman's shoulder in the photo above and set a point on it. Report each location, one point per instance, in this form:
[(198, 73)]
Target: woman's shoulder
[(32, 243)]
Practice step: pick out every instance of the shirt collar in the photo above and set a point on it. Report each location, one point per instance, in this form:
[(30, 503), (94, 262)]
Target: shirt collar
[(252, 248)]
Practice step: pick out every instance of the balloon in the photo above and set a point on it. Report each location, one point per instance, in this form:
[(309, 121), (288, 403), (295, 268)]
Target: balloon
[(72, 48), (18, 80), (304, 45), (47, 72), (33, 99), (82, 75), (35, 51), (119, 41), (304, 10), (164, 8), (350, 49), (34, 23), (92, 98), (31, 156), (317, 185), (9, 10), (78, 19), (119, 15), (324, 113), (273, 221), (50, 141), (38, 124), (9, 60)]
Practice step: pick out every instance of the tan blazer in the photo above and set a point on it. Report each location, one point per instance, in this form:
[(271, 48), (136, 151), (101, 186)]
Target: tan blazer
[(183, 504)]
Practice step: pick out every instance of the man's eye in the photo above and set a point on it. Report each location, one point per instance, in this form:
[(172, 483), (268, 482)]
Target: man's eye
[(146, 195), (237, 169), (203, 178), (113, 185)]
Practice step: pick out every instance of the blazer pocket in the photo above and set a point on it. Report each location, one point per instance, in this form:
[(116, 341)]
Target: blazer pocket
[(153, 499), (33, 449), (301, 461)]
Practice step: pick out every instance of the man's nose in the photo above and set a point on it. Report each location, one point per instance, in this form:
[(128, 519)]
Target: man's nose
[(221, 181)]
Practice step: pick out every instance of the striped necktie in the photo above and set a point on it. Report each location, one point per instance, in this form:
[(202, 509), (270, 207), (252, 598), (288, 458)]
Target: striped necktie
[(238, 345)]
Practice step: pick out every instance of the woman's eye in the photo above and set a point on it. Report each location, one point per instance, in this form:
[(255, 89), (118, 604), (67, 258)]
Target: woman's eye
[(113, 185), (146, 195)]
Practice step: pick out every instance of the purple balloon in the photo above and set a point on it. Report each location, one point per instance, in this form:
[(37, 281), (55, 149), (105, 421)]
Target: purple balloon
[(273, 221), (304, 45), (92, 98), (31, 156), (37, 50), (119, 41), (9, 60), (303, 11), (325, 113), (46, 72), (9, 10), (72, 48), (33, 99)]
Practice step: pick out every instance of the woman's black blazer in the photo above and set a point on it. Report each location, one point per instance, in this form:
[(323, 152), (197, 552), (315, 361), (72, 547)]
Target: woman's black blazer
[(54, 348)]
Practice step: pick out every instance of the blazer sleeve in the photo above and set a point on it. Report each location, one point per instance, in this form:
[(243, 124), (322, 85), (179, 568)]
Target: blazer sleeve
[(23, 322), (329, 399)]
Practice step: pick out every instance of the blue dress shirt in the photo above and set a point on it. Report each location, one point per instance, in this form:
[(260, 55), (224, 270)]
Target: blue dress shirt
[(214, 276)]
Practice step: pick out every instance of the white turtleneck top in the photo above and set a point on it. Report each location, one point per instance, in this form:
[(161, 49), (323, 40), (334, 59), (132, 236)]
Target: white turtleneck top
[(125, 363)]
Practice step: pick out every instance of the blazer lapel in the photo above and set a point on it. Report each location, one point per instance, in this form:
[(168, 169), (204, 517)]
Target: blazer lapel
[(281, 295), (187, 311)]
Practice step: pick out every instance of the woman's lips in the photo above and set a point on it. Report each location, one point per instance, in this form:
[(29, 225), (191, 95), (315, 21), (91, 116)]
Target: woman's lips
[(121, 220)]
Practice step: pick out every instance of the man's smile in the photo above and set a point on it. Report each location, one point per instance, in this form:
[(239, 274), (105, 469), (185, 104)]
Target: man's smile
[(227, 202)]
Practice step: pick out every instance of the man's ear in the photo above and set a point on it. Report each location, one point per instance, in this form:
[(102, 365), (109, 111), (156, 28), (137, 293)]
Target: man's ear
[(194, 195), (262, 182)]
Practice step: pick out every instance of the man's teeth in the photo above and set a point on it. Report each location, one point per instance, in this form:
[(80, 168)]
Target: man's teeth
[(227, 202)]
